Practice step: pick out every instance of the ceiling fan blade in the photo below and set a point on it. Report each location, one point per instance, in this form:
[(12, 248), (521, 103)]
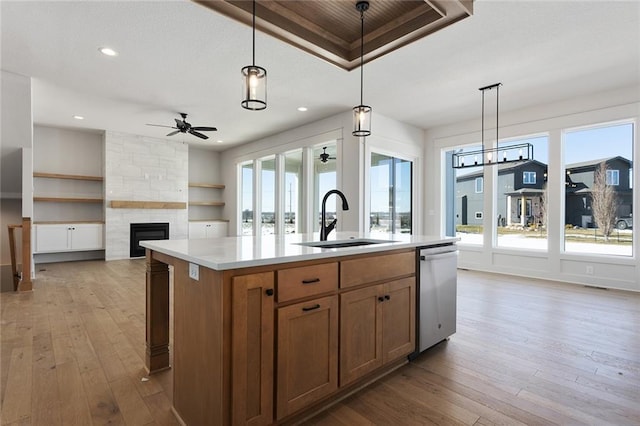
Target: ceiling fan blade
[(200, 135), (205, 129), (173, 133), (160, 125)]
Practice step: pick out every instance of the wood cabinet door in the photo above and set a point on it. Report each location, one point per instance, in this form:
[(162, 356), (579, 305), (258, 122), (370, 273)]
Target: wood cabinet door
[(252, 348), (398, 319), (360, 329), (307, 353)]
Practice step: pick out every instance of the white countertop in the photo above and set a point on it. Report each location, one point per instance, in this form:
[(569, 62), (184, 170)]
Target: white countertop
[(243, 252)]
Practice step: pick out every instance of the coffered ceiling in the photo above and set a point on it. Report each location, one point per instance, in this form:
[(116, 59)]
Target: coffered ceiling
[(331, 29)]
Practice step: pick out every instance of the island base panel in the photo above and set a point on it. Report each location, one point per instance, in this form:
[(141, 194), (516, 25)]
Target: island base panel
[(157, 314)]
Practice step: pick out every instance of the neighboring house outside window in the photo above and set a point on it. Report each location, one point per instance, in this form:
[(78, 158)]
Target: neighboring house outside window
[(613, 177), (529, 178), (479, 185)]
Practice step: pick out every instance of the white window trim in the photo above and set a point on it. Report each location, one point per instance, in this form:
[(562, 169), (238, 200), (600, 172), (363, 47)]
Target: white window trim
[(526, 181), (611, 173)]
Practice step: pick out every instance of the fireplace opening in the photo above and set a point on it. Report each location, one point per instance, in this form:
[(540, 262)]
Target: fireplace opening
[(143, 232)]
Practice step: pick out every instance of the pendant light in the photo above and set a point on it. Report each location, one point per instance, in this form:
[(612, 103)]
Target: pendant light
[(361, 113), (490, 156), (254, 79)]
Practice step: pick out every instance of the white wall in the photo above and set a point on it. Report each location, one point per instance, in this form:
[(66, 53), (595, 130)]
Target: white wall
[(387, 133), (73, 152), (15, 136), (204, 167), (140, 168), (609, 271)]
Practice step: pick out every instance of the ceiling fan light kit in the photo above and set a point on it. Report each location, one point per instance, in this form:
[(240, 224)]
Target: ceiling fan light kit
[(254, 79), (489, 156), (362, 112)]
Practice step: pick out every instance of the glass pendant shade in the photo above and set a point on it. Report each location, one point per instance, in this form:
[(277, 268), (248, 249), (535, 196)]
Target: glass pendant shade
[(254, 88), (361, 121)]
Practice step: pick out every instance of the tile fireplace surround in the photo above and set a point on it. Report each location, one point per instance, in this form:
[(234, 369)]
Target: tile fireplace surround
[(144, 169)]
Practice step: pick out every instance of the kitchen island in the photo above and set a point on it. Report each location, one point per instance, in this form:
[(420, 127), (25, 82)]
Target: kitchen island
[(270, 330)]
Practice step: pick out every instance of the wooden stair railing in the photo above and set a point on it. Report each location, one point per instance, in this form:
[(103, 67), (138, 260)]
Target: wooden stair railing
[(21, 281)]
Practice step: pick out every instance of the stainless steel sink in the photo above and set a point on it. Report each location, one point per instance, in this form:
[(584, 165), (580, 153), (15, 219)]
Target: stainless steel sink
[(344, 243)]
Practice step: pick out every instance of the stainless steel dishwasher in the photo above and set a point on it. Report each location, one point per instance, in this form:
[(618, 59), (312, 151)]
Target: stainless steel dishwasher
[(437, 294)]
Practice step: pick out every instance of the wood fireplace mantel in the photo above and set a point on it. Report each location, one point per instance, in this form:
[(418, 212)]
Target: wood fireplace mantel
[(126, 204)]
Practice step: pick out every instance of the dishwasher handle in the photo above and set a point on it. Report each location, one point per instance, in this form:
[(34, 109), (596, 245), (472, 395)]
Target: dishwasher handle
[(439, 255)]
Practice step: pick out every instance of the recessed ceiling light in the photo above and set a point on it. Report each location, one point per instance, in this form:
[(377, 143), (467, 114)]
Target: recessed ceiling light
[(108, 51), (78, 117), (302, 109), (219, 141)]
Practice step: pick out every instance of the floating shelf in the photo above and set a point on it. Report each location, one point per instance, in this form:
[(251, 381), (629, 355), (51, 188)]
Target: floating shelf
[(68, 200), (206, 185), (64, 176), (206, 203)]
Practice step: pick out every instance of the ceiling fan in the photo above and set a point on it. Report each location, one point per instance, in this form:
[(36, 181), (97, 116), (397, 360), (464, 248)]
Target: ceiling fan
[(183, 127), (324, 157)]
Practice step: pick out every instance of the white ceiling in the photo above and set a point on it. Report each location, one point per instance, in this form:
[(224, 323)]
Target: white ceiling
[(177, 56)]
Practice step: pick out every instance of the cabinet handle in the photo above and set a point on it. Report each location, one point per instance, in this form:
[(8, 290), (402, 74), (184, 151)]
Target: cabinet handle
[(387, 297), (311, 308), (380, 299), (269, 292), (311, 281)]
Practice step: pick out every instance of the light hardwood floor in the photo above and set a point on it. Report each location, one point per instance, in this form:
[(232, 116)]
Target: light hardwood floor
[(526, 352)]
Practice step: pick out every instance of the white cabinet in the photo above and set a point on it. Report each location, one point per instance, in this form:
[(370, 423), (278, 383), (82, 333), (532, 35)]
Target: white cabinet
[(211, 229), (60, 237)]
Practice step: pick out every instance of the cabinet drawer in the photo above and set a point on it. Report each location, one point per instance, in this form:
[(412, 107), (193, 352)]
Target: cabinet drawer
[(376, 268), (295, 283)]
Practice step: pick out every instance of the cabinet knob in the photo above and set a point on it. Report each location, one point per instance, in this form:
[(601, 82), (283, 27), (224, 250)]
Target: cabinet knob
[(387, 297), (269, 292), (380, 299)]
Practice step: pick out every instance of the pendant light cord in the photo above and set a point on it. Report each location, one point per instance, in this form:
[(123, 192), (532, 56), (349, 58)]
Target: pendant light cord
[(361, 56), (482, 132), (254, 33), (497, 101)]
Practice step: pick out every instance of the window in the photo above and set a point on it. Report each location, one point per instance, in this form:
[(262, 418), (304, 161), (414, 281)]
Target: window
[(391, 194), (479, 215), (529, 178), (268, 195), (462, 199), (293, 191), (598, 161), (246, 176), (324, 179), (515, 196), (613, 177), (479, 185)]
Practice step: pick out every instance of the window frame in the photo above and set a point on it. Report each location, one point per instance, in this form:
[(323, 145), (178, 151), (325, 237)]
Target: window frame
[(529, 181), (479, 182), (611, 173)]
